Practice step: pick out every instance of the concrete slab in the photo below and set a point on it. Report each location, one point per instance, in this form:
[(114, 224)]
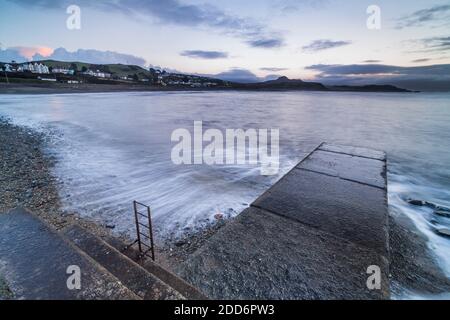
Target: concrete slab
[(364, 170), (354, 151), (264, 256), (348, 210), (34, 261)]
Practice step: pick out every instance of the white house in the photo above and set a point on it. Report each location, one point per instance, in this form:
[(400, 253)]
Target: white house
[(34, 68), (8, 67), (40, 68), (63, 71), (99, 74)]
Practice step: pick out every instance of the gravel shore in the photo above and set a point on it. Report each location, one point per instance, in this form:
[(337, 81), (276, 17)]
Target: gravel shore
[(26, 181)]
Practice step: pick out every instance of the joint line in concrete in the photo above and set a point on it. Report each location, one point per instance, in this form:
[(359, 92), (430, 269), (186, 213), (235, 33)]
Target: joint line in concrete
[(334, 176)]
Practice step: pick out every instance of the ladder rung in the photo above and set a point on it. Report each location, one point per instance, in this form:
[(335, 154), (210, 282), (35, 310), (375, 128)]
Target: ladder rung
[(141, 214), (141, 204), (146, 245), (146, 253), (144, 225), (143, 234)]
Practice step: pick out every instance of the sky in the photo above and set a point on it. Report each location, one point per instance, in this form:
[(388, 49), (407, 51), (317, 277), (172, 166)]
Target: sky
[(323, 40)]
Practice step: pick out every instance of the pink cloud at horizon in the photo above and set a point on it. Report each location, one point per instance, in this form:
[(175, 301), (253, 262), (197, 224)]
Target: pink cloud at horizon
[(29, 52)]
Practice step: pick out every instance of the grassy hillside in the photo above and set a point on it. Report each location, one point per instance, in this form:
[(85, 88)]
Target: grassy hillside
[(119, 70)]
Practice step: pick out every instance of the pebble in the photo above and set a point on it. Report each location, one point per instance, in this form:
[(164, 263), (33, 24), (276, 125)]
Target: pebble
[(180, 243)]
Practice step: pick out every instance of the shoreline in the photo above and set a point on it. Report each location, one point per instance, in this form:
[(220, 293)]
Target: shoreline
[(64, 88), (26, 180)]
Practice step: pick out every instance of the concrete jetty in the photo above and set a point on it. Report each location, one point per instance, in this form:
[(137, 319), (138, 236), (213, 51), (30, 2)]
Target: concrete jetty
[(316, 234)]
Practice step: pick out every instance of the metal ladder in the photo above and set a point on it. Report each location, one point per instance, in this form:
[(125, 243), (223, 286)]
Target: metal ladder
[(144, 240)]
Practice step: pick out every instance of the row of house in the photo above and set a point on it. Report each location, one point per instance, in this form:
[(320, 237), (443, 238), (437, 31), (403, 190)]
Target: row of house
[(184, 80), (40, 68), (31, 67)]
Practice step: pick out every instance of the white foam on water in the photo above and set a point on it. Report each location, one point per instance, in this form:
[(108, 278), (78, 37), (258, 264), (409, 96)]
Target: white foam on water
[(402, 189)]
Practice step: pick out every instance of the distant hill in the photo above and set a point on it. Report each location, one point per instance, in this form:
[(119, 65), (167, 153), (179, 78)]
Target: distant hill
[(132, 74), (282, 83)]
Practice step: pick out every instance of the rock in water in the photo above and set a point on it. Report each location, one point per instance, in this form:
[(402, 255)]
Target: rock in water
[(444, 209), (444, 232), (416, 202), (421, 203), (442, 213)]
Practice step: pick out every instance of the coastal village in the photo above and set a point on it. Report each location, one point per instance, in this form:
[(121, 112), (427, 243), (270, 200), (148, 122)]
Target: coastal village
[(77, 73)]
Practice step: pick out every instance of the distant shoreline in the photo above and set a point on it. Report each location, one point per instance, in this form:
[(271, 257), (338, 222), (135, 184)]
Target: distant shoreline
[(64, 88), (61, 88)]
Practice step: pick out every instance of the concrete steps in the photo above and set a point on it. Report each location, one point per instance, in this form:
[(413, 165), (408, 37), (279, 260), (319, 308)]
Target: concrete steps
[(148, 280), (34, 260), (186, 289)]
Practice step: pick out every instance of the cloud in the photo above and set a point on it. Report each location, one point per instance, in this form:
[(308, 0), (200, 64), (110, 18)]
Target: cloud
[(243, 76), (178, 13), (29, 52), (200, 54), (427, 78), (436, 43), (22, 54), (273, 69), (420, 60), (372, 61), (238, 75), (266, 43), (440, 13), (320, 45), (93, 56), (286, 7)]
